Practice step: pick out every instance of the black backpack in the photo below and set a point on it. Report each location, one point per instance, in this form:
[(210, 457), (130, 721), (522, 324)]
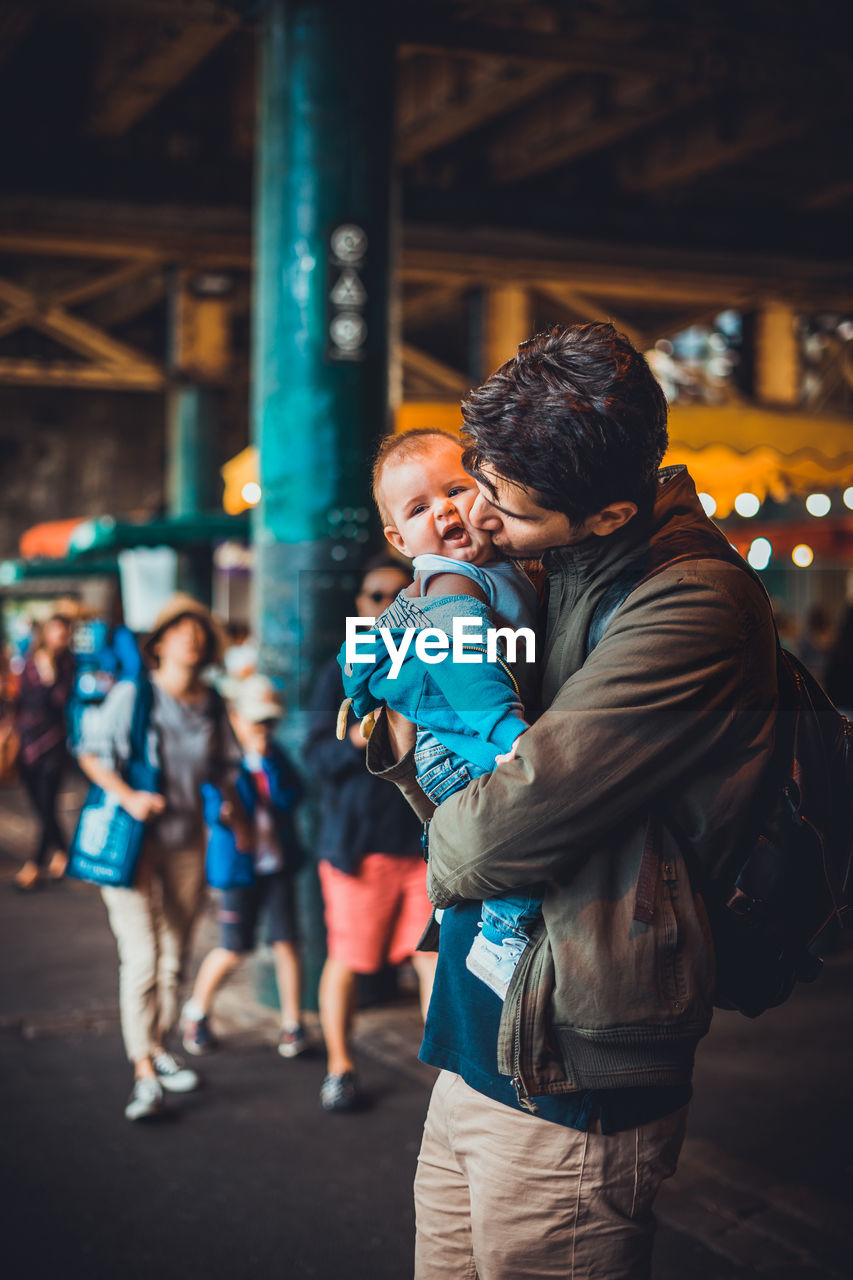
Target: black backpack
[(788, 881)]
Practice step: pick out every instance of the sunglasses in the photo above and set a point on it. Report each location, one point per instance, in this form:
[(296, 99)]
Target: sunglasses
[(378, 596)]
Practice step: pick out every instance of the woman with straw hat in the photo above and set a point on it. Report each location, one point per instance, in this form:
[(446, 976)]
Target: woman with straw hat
[(191, 742)]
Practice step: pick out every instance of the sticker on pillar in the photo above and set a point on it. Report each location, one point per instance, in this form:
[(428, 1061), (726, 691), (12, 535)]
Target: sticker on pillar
[(348, 243), (348, 290), (348, 334)]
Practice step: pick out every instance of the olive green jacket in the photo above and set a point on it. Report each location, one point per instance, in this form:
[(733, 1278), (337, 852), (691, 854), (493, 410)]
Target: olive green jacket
[(673, 714)]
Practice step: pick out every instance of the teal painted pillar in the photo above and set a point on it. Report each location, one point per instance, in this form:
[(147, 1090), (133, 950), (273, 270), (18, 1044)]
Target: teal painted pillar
[(320, 338), (191, 480)]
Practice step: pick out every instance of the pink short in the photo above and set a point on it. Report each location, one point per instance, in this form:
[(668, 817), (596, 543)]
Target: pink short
[(377, 915)]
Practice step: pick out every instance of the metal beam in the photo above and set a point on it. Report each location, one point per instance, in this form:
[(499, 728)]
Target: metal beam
[(435, 372), (427, 304), (130, 300), (27, 309), (56, 373), (650, 275), (525, 45), (579, 119), (586, 309), (492, 92), (683, 155), (131, 84), (90, 287), (830, 195)]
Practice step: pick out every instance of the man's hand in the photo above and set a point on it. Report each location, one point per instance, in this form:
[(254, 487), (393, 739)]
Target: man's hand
[(401, 733), (234, 816), (144, 805)]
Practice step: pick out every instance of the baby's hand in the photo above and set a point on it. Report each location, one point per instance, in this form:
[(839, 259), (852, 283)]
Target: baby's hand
[(508, 755)]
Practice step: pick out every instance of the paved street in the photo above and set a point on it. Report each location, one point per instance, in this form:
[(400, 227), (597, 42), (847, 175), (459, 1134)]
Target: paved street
[(249, 1178)]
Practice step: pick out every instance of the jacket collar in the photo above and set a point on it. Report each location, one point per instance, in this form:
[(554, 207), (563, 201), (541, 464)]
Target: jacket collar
[(676, 505)]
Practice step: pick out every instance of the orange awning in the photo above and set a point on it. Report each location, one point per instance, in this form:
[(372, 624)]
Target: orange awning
[(52, 538)]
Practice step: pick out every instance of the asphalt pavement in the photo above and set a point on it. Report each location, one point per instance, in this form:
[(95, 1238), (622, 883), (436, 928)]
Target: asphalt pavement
[(249, 1178)]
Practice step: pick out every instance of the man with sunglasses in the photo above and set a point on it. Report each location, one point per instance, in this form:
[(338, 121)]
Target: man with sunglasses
[(558, 1113), (372, 874)]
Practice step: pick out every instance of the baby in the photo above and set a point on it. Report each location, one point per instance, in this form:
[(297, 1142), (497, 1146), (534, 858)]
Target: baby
[(469, 716)]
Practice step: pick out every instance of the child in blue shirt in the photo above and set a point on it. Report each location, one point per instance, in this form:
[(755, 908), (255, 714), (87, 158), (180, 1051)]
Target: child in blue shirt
[(268, 789), (469, 714)]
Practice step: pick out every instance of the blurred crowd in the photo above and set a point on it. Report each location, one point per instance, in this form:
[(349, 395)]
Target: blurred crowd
[(221, 817)]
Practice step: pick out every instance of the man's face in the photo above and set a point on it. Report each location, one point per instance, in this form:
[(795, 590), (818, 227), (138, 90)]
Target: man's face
[(519, 526), (379, 588)]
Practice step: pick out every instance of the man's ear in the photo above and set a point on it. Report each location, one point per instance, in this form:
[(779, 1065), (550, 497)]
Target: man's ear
[(395, 538), (611, 518)]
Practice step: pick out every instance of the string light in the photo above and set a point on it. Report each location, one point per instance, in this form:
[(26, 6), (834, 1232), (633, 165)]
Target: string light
[(759, 553), (818, 504), (709, 505), (802, 555), (251, 493), (747, 504)]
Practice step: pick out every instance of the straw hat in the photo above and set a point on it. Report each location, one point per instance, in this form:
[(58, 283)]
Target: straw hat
[(179, 606)]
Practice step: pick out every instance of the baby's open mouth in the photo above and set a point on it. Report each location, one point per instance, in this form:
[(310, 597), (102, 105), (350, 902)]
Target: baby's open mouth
[(456, 534)]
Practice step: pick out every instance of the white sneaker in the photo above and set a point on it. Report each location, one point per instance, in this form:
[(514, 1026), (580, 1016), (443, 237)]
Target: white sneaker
[(173, 1075), (145, 1100), (494, 962)]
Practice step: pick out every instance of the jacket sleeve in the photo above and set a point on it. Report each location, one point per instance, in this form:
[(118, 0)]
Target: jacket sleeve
[(658, 696), (381, 763)]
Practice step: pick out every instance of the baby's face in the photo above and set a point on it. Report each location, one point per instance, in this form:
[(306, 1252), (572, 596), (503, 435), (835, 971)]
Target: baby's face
[(428, 499)]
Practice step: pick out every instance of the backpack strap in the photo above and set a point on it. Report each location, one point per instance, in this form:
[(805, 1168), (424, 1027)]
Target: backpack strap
[(141, 719), (219, 764), (632, 576)]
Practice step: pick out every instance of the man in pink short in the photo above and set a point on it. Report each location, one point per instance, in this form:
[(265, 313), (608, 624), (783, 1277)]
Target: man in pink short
[(371, 870)]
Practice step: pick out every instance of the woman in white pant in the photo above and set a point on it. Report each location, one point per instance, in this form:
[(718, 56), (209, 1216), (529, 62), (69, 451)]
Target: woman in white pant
[(191, 742)]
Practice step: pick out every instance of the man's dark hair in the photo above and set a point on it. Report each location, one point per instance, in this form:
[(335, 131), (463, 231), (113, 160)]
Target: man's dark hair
[(577, 417)]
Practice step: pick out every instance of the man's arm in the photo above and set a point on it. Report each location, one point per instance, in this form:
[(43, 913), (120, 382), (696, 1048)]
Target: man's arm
[(390, 756), (658, 695)]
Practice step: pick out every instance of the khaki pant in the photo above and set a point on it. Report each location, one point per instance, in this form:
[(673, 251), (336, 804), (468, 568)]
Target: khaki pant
[(502, 1195), (152, 923)]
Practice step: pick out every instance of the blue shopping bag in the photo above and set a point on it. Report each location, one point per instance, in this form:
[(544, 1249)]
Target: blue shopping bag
[(106, 845)]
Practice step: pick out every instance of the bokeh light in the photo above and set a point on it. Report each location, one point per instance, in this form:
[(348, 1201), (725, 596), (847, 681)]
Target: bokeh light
[(747, 504), (759, 553), (818, 504), (802, 555)]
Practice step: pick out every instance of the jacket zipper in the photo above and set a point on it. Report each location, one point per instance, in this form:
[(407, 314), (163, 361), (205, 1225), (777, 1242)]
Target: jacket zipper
[(524, 1098), (478, 648), (517, 1079)]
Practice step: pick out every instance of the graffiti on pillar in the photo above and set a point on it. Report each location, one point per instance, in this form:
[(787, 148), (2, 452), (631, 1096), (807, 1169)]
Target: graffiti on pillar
[(347, 295)]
